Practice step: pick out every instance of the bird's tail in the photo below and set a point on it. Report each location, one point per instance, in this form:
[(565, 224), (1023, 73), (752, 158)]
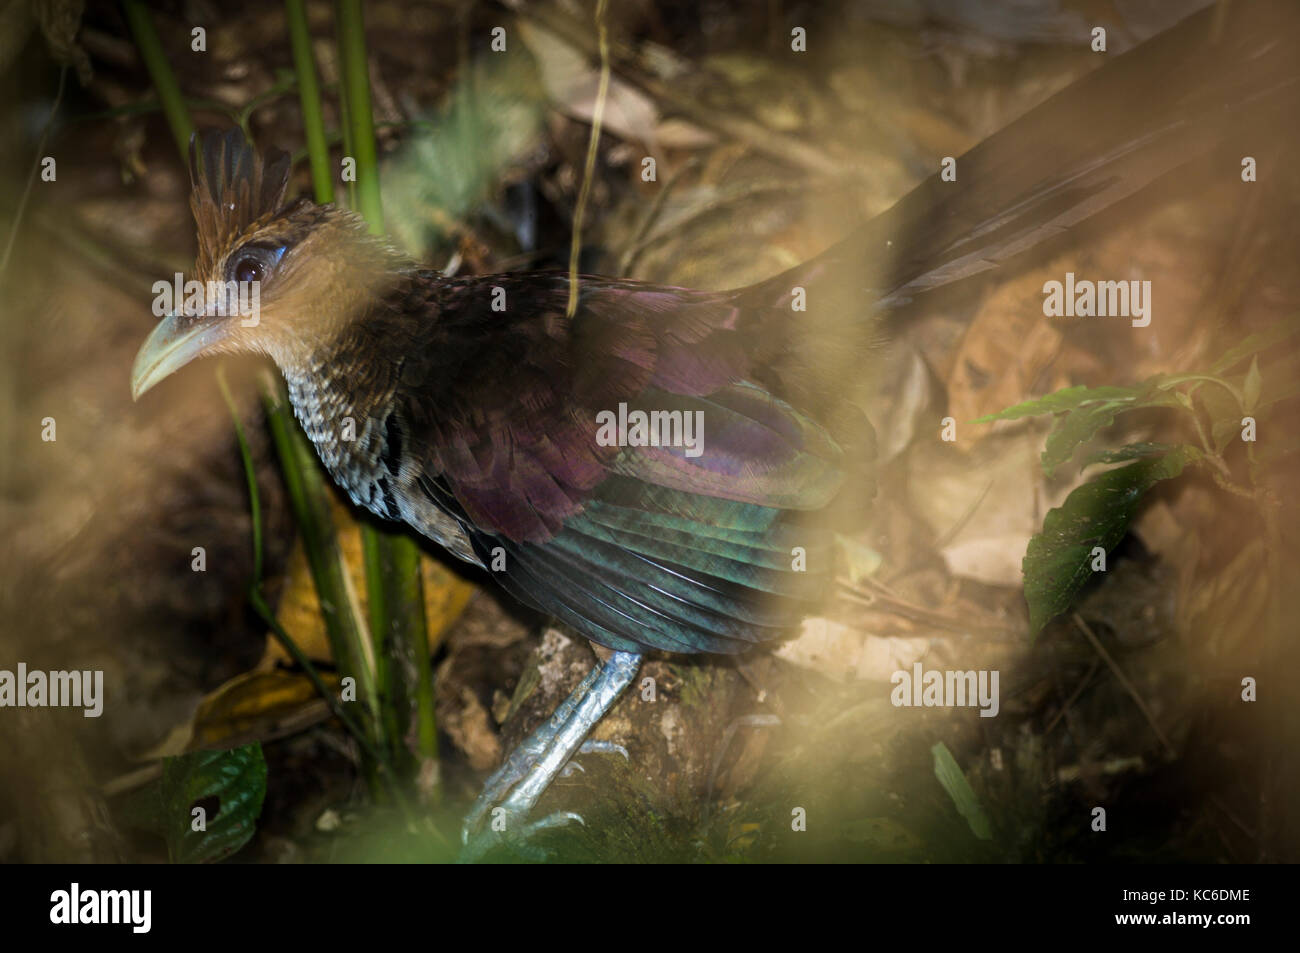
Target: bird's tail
[(1188, 104)]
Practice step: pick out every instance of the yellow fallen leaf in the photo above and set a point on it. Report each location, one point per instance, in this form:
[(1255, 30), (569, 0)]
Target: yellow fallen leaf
[(254, 706), (445, 595), (258, 706), (270, 702)]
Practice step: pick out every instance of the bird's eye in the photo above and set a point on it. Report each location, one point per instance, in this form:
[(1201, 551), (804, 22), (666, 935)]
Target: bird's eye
[(249, 269), (254, 262)]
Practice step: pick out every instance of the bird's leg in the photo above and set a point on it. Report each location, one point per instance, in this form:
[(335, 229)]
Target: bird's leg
[(525, 755), (615, 675), (533, 765)]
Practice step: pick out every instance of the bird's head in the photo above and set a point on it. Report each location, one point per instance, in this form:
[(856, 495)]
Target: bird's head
[(280, 280)]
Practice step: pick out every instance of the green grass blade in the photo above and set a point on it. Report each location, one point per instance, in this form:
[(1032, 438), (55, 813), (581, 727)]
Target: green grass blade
[(393, 581)]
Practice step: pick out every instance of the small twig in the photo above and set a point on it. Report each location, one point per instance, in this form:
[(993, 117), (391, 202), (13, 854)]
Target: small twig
[(754, 134), (588, 172), (1074, 696), (1228, 813), (1123, 680), (1073, 772), (879, 597), (636, 244), (720, 204), (951, 533)]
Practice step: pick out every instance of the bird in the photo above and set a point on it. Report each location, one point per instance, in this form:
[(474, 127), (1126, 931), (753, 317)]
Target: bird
[(497, 415)]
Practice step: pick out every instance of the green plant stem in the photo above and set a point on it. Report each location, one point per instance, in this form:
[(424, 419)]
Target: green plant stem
[(1224, 475), (345, 116), (323, 188), (244, 115), (310, 500), (313, 119), (264, 611), (160, 72), (359, 130), (393, 581)]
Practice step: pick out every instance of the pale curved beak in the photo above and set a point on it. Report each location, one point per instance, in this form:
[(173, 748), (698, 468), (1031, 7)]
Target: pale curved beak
[(173, 344)]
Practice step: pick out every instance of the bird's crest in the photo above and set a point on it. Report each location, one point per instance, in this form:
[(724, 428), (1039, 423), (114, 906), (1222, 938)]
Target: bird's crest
[(233, 188)]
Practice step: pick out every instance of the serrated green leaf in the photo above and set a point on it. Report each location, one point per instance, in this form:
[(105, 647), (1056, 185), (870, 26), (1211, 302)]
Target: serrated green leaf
[(231, 786), (963, 796), (1083, 411), (1064, 400), (1251, 388), (1133, 451), (1078, 427), (1059, 559)]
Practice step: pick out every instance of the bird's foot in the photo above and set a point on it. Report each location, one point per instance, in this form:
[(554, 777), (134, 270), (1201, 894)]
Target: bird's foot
[(513, 789), (515, 838)]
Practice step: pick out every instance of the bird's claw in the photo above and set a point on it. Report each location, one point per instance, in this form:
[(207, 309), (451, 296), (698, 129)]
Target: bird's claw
[(603, 747), (514, 769), (594, 747), (498, 784), (515, 837)]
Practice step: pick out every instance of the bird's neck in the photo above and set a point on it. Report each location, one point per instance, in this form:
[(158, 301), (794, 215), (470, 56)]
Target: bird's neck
[(342, 397)]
